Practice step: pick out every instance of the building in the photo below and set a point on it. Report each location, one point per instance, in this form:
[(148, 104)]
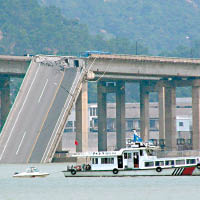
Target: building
[(183, 119)]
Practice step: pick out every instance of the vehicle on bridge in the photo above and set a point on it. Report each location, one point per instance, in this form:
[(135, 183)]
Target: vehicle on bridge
[(137, 159), (88, 53)]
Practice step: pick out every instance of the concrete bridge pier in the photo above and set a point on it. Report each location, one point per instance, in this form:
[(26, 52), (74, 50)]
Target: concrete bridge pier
[(161, 101), (167, 110), (144, 110), (82, 119), (196, 114), (118, 88), (5, 98), (120, 115), (102, 116), (170, 116)]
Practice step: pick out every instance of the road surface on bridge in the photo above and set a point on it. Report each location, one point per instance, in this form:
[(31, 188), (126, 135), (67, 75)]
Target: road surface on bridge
[(38, 113)]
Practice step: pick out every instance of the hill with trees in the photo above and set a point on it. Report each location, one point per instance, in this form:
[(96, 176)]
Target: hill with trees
[(26, 27), (156, 24), (66, 27)]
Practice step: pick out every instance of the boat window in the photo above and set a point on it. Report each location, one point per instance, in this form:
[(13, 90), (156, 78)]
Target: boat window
[(141, 152), (94, 160), (129, 155), (32, 169), (35, 170), (125, 155), (191, 161), (150, 152), (148, 164), (169, 162), (107, 160), (159, 163), (180, 162)]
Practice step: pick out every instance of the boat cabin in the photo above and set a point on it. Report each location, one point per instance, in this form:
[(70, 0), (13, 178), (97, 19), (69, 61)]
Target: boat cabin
[(32, 169), (136, 156), (130, 158)]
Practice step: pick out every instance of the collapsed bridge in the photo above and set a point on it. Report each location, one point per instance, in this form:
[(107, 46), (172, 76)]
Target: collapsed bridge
[(52, 84), (35, 123)]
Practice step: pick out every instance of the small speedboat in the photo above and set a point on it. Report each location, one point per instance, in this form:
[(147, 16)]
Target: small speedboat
[(30, 172)]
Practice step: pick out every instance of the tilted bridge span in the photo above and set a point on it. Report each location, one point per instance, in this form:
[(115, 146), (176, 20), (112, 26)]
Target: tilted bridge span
[(35, 123)]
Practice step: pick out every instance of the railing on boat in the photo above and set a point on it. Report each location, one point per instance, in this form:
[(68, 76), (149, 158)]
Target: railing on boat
[(186, 153)]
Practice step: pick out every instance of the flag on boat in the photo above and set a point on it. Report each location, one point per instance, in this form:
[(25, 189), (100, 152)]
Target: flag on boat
[(76, 142), (136, 137)]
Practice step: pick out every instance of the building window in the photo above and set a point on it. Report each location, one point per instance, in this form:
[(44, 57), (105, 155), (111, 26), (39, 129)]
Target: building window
[(152, 123), (94, 112), (129, 124), (91, 123), (90, 111), (180, 123), (95, 122), (70, 124), (110, 124), (138, 122)]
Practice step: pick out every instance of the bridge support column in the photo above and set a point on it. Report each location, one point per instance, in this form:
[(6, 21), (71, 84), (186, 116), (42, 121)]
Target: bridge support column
[(120, 115), (170, 117), (102, 117), (5, 98), (144, 111), (196, 115), (82, 119), (161, 97)]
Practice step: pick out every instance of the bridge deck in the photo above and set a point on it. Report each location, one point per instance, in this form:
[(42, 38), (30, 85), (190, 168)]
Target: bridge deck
[(35, 123), (131, 67)]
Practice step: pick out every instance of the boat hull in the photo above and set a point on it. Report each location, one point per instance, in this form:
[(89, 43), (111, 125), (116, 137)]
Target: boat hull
[(176, 171), (30, 175)]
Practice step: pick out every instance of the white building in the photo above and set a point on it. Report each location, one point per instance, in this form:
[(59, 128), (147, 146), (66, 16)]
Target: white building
[(183, 119)]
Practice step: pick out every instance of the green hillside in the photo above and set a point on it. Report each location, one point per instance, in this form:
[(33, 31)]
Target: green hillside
[(26, 27), (169, 28), (160, 25), (29, 28)]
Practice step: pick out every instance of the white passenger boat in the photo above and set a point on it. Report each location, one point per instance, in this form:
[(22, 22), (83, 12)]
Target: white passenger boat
[(137, 159), (30, 172)]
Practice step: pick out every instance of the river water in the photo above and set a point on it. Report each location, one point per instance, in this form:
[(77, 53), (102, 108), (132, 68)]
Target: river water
[(57, 187)]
